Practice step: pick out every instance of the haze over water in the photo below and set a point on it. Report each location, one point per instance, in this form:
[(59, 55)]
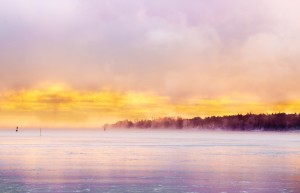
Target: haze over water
[(77, 64), (149, 161)]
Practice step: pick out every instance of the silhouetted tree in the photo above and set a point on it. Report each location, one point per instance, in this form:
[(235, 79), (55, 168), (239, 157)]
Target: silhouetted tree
[(268, 122)]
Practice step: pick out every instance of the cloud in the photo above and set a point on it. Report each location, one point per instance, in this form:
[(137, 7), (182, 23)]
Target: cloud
[(179, 49)]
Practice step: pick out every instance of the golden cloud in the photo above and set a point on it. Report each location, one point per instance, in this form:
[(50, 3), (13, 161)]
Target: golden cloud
[(60, 106)]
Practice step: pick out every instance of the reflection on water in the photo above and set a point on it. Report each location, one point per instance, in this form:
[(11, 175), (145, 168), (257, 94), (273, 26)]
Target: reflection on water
[(149, 161)]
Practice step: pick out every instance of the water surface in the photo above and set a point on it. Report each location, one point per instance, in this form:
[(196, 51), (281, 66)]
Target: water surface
[(149, 161)]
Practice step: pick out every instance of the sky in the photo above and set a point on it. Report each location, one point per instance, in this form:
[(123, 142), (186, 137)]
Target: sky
[(82, 63)]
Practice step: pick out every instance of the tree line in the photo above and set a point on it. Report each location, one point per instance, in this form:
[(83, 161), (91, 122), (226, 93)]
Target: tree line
[(267, 122)]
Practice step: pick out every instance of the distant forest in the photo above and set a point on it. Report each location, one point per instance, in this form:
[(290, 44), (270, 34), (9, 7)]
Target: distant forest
[(248, 122)]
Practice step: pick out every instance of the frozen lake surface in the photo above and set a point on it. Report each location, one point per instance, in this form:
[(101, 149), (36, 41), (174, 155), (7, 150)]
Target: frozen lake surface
[(149, 161)]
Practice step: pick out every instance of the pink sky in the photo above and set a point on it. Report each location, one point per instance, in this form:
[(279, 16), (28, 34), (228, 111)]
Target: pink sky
[(180, 49)]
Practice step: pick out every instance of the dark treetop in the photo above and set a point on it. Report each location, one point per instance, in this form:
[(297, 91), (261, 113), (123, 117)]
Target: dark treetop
[(267, 122)]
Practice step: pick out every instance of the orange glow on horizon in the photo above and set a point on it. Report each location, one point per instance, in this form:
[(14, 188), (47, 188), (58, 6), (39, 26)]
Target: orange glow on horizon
[(59, 106)]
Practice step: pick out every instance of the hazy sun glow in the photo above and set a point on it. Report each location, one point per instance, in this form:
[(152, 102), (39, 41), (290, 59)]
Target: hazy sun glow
[(60, 106)]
